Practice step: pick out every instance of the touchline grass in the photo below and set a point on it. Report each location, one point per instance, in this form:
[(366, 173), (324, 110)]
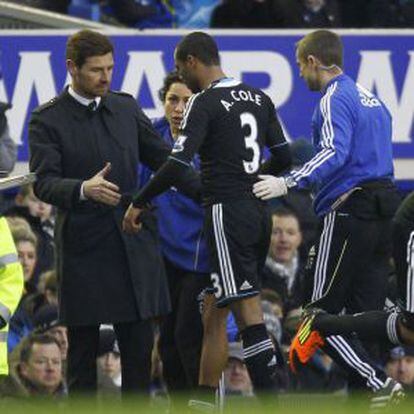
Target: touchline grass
[(284, 404)]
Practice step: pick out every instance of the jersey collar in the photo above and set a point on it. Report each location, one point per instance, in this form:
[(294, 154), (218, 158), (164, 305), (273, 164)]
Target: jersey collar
[(224, 83), (336, 78)]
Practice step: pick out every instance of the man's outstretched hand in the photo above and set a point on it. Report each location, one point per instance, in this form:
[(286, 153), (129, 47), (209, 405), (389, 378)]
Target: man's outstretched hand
[(99, 189)]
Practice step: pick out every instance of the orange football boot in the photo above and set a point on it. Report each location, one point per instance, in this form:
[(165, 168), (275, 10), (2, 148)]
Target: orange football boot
[(305, 343)]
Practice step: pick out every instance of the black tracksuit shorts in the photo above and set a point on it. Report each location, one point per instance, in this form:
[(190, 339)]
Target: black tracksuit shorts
[(238, 234)]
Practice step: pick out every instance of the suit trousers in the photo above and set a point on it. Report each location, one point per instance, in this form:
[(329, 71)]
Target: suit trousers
[(135, 340)]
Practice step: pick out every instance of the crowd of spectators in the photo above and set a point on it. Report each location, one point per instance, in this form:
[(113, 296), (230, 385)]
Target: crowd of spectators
[(37, 335), (144, 14)]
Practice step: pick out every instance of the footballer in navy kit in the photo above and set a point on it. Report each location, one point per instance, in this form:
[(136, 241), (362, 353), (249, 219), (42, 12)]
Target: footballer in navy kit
[(228, 123)]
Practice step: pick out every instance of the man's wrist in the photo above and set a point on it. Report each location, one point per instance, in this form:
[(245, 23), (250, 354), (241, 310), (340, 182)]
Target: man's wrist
[(137, 203), (290, 182)]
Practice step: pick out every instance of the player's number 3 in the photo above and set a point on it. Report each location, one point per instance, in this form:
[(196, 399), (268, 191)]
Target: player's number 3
[(215, 278), (248, 119)]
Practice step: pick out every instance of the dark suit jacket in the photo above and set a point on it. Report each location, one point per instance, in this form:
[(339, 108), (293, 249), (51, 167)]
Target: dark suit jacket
[(105, 275)]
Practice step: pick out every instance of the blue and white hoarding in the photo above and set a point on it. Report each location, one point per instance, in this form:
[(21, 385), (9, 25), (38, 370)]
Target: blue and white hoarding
[(33, 71)]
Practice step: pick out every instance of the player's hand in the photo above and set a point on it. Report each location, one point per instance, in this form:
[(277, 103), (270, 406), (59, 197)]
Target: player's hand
[(131, 223), (270, 187), (101, 190)]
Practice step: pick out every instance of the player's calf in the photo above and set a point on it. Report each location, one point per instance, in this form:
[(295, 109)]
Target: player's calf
[(259, 356), (258, 349), (214, 348)]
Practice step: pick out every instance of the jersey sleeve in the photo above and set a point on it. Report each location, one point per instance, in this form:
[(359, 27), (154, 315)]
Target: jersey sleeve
[(335, 130), (193, 130), (171, 173), (144, 174)]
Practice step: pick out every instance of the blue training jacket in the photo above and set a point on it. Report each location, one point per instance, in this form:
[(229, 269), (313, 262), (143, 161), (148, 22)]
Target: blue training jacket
[(351, 132), (180, 220)]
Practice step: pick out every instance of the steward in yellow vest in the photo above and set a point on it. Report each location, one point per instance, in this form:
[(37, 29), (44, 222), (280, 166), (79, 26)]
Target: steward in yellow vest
[(11, 288)]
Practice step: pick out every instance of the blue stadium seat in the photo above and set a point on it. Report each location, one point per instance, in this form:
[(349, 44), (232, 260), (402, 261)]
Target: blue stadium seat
[(86, 9)]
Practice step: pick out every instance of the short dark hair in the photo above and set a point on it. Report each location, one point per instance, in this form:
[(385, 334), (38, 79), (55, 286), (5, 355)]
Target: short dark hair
[(283, 211), (32, 339), (200, 45), (324, 45), (172, 77), (87, 43)]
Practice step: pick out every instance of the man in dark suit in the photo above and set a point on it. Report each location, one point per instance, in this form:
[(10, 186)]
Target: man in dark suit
[(85, 146)]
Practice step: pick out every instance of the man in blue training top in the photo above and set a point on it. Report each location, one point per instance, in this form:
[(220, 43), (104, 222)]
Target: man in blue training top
[(355, 198)]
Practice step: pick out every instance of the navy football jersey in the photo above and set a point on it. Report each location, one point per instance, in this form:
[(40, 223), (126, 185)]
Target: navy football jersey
[(228, 124)]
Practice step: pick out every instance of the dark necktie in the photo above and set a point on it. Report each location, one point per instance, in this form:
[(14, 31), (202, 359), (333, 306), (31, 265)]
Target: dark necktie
[(92, 106)]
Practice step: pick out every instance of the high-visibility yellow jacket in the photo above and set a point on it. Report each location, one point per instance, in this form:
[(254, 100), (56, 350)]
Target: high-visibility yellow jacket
[(11, 288)]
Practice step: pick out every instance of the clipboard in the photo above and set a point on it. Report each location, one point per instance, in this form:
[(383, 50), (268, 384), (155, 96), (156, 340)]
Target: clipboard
[(17, 181)]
